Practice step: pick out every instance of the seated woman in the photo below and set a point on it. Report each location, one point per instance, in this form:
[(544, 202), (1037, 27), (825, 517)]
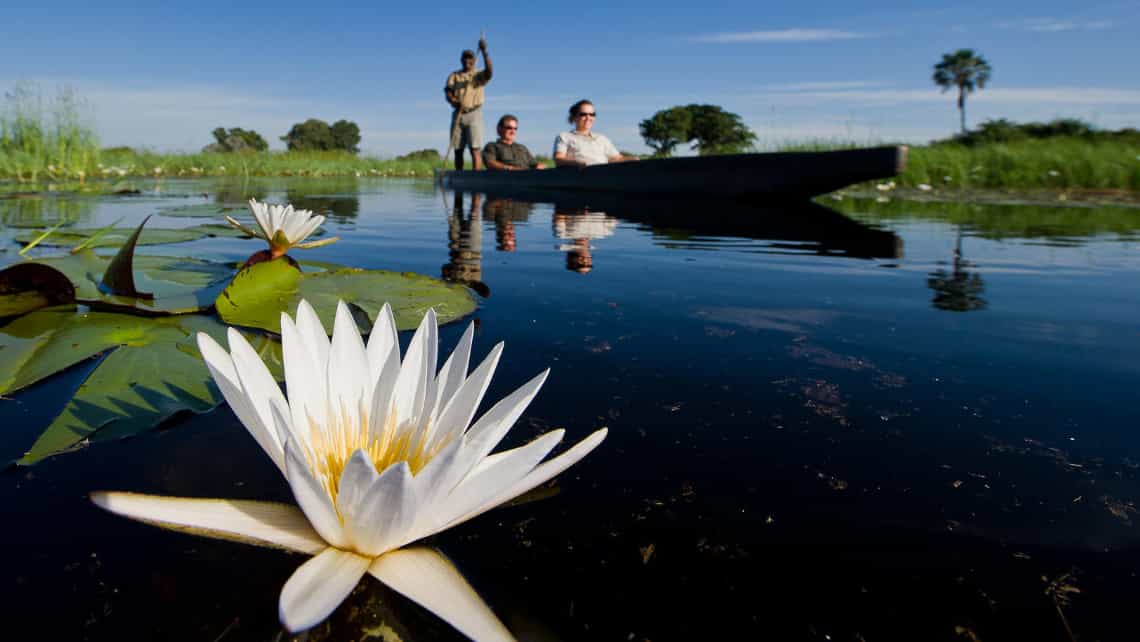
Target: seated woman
[(581, 147)]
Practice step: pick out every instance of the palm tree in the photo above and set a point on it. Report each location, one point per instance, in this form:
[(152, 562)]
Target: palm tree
[(965, 70)]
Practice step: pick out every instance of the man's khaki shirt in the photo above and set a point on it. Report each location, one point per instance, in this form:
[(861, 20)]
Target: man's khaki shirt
[(516, 155), (468, 87)]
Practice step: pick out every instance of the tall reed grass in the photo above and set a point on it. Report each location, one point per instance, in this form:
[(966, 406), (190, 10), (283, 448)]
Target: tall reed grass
[(1052, 163), (52, 141)]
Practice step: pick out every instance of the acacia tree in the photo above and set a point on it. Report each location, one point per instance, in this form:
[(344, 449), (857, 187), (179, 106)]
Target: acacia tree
[(346, 136), (236, 139), (965, 69), (710, 129), (316, 134)]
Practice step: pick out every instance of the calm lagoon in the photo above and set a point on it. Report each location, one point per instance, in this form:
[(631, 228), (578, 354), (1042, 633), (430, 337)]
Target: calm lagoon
[(919, 426)]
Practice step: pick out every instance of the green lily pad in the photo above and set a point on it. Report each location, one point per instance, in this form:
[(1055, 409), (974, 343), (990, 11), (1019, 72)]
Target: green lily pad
[(409, 294), (39, 344), (258, 294), (113, 238), (202, 210), (180, 285), (148, 379), (29, 286)]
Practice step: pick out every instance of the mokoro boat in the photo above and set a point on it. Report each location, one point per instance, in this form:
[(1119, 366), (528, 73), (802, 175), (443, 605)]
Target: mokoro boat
[(782, 175)]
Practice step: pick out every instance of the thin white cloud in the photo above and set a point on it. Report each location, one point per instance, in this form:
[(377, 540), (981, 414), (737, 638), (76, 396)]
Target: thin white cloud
[(826, 85), (1055, 25), (782, 35)]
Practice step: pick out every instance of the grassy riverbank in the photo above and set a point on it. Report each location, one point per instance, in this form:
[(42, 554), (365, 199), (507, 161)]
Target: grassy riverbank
[(1052, 164)]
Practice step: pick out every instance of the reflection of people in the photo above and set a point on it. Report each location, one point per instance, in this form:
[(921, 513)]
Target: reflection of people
[(580, 146), (465, 246), (581, 228), (504, 212), (464, 91), (505, 153)]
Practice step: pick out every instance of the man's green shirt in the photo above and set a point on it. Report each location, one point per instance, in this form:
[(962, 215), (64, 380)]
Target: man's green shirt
[(516, 155)]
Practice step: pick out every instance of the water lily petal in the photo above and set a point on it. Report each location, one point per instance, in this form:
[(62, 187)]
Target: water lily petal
[(490, 429), (261, 215), (245, 230), (259, 386), (313, 334), (349, 381), (491, 479), (358, 476), (416, 371), (540, 475), (308, 245), (454, 370), (435, 480), (318, 586), (456, 416), (308, 401), (382, 520), (382, 342), (251, 522), (221, 367), (313, 498), (426, 577)]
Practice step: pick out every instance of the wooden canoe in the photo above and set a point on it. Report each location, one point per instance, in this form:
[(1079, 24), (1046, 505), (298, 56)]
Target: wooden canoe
[(782, 175)]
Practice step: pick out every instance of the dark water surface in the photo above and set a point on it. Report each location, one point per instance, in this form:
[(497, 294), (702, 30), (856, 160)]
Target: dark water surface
[(925, 429)]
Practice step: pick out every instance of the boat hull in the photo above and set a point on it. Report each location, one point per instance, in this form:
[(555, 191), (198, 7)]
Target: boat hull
[(773, 175)]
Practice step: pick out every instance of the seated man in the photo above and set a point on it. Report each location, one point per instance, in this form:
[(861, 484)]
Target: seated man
[(505, 154)]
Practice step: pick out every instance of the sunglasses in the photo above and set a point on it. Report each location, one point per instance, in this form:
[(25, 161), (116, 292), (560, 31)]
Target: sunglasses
[(510, 128), (586, 114)]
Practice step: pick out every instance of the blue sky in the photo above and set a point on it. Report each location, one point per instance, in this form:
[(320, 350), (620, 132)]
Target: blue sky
[(164, 74)]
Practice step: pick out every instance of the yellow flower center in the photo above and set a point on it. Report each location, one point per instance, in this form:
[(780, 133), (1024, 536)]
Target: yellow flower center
[(334, 442)]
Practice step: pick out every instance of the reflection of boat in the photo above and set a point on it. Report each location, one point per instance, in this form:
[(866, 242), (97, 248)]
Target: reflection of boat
[(782, 175), (805, 225)]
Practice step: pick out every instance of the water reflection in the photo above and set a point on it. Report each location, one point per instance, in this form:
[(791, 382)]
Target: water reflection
[(39, 210), (576, 229), (465, 245), (231, 194), (1057, 225), (505, 212), (958, 290), (336, 199)]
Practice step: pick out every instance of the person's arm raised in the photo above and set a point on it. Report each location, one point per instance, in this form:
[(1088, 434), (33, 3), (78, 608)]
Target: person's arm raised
[(487, 69)]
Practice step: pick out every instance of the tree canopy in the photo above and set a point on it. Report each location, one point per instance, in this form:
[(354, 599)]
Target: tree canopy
[(709, 129), (965, 69), (236, 139), (316, 134)]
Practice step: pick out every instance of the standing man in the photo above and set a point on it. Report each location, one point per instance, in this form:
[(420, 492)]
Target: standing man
[(506, 154), (464, 93)]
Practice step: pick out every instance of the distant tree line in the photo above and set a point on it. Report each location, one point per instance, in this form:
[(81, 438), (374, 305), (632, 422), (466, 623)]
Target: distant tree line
[(311, 135), (1002, 130)]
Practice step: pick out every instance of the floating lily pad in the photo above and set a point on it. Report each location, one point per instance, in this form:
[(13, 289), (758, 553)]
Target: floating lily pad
[(154, 372), (112, 238), (138, 387), (202, 210), (409, 294), (47, 341), (180, 285), (258, 294), (29, 286)]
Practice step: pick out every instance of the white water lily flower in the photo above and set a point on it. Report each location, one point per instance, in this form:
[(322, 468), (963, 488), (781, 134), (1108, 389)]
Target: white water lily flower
[(283, 227), (378, 454), (924, 187)]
